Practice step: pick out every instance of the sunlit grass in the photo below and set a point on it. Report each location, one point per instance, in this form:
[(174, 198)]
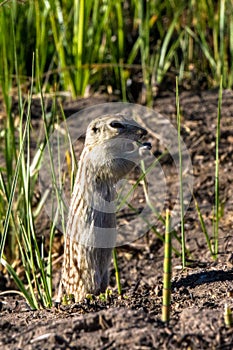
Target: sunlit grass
[(167, 271), (181, 194), (88, 44)]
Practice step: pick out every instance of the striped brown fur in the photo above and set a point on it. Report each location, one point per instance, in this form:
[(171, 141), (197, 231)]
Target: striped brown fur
[(110, 152)]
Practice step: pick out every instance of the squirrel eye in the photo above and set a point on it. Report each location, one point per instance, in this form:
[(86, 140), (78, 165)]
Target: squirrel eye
[(117, 125)]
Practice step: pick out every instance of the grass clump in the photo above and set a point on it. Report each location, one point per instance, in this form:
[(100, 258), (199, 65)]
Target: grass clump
[(103, 44)]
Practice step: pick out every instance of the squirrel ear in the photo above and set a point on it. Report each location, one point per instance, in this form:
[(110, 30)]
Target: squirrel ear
[(95, 129)]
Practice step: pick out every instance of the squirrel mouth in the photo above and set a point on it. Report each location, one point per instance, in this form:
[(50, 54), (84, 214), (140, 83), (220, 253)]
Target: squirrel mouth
[(144, 145), (132, 146)]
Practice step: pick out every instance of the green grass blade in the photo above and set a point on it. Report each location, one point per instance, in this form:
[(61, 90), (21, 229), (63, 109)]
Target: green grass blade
[(167, 272), (141, 177), (217, 206), (203, 227), (12, 192), (117, 273), (180, 176), (19, 283)]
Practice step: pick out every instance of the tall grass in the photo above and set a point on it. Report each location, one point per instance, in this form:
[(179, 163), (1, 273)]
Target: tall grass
[(214, 237), (181, 194), (167, 270), (99, 43), (18, 177), (217, 203), (18, 224)]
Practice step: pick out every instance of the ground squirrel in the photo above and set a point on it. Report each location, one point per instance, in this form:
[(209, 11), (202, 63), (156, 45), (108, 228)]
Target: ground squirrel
[(112, 148)]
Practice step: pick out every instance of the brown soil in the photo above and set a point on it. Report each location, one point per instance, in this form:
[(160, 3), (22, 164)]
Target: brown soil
[(199, 292)]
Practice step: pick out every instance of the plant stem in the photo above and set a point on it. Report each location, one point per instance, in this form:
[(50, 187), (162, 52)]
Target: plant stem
[(216, 207), (180, 176), (117, 274), (167, 271)]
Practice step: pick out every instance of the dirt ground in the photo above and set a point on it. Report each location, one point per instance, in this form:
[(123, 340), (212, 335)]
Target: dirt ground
[(199, 292)]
